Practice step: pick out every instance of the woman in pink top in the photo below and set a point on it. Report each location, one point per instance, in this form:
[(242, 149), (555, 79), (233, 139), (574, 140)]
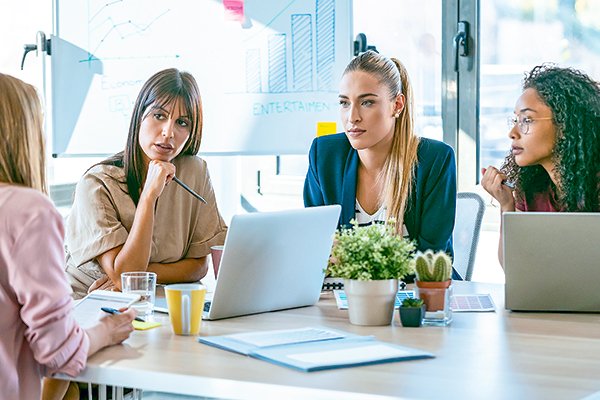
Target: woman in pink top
[(554, 161), (38, 334)]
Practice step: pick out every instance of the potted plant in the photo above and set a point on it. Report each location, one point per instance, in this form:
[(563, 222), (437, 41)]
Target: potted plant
[(433, 273), (370, 259), (412, 312)]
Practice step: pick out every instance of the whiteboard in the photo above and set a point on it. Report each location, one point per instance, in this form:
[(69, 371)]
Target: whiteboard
[(268, 70)]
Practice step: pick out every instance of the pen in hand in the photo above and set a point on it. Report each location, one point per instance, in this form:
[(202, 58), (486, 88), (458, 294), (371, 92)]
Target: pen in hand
[(115, 311), (186, 187), (509, 184)]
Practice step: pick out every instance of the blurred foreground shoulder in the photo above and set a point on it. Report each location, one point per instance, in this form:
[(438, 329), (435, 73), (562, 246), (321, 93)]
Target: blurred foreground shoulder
[(23, 204)]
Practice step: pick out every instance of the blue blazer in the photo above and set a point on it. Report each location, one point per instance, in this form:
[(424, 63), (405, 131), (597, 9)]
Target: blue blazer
[(430, 211)]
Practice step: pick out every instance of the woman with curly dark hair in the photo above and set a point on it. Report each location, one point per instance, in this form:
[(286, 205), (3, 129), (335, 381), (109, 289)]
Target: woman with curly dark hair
[(554, 163)]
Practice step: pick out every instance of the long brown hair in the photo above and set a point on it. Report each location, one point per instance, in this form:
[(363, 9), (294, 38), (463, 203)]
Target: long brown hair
[(22, 153), (160, 90), (398, 171)]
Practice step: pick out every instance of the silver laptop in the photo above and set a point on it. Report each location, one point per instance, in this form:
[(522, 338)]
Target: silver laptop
[(273, 261), (552, 261)]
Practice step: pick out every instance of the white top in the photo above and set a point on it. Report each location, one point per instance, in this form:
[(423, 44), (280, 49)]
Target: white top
[(364, 218)]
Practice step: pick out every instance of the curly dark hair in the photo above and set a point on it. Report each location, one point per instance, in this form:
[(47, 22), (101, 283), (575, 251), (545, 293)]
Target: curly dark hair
[(574, 99)]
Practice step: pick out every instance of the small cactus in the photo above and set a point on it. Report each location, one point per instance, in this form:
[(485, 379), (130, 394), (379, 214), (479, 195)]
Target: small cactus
[(433, 267)]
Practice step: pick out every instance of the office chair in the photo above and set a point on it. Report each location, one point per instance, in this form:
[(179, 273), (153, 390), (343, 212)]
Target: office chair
[(62, 196), (469, 213)]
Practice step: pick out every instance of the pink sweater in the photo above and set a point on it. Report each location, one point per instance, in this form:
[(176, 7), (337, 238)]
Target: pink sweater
[(38, 335)]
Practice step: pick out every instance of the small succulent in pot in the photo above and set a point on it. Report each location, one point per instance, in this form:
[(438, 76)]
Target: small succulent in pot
[(412, 312), (411, 302)]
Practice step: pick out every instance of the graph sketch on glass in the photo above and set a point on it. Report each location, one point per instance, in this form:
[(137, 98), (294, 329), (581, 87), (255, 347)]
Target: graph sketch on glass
[(268, 70)]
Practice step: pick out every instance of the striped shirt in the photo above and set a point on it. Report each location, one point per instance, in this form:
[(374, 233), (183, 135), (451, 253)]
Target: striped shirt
[(364, 219)]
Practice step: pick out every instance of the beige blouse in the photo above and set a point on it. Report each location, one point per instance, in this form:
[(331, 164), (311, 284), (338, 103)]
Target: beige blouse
[(102, 216)]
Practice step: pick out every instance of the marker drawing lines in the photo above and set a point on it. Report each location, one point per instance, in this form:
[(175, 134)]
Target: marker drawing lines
[(325, 24), (103, 8), (302, 52)]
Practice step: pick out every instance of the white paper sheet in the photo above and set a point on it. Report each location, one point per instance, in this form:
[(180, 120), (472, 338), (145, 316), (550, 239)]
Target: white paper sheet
[(368, 352), (286, 336)]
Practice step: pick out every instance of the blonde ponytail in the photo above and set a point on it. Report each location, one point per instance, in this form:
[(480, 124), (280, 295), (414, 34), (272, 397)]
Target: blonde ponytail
[(398, 170)]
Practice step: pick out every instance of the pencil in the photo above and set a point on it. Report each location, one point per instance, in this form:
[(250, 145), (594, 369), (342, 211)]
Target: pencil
[(186, 187)]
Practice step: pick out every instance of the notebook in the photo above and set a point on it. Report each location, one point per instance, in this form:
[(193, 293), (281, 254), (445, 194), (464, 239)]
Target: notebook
[(314, 348), (87, 311), (273, 261), (552, 261)]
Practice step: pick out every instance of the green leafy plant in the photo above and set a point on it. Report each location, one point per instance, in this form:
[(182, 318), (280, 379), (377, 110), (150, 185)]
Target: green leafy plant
[(409, 303), (373, 252), (433, 267)]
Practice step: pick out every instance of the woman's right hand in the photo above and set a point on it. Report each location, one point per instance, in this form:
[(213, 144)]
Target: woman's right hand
[(492, 183), (159, 174), (110, 330)]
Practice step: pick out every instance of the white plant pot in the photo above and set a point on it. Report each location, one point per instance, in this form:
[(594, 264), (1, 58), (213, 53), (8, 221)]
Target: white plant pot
[(371, 302)]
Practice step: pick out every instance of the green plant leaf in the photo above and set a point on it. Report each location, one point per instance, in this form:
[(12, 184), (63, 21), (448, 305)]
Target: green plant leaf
[(408, 302), (373, 252)]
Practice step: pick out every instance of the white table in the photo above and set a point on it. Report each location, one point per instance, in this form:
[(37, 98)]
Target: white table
[(498, 355)]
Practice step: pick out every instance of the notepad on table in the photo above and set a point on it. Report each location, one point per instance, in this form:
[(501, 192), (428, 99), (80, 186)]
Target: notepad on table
[(314, 349), (87, 310)]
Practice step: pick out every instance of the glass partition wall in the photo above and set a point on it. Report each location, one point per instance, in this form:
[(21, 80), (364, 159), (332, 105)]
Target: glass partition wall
[(517, 35)]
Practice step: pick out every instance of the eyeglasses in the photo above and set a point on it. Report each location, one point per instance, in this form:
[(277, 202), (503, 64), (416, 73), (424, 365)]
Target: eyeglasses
[(523, 123)]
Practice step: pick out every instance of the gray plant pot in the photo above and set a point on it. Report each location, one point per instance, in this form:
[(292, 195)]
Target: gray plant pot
[(412, 316), (371, 303)]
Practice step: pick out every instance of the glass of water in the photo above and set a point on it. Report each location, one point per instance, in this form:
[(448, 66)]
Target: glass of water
[(144, 285)]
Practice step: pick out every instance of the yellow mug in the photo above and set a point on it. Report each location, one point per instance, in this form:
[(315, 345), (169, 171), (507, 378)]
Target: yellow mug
[(186, 303)]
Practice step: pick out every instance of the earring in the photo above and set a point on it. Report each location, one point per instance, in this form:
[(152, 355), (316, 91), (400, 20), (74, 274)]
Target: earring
[(397, 115)]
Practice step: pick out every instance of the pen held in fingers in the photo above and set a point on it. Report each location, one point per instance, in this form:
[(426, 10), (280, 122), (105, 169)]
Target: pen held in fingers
[(116, 312), (509, 184), (186, 187)]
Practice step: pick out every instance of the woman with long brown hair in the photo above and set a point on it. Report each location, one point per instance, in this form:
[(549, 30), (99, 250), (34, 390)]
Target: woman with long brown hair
[(128, 215)]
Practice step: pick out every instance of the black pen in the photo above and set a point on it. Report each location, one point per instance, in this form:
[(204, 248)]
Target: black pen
[(115, 311), (186, 187)]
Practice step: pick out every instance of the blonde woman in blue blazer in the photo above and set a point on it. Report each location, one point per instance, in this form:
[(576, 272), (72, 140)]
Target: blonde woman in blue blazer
[(379, 169)]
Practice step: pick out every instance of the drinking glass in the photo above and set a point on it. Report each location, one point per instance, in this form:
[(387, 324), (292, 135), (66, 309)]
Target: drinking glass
[(144, 285)]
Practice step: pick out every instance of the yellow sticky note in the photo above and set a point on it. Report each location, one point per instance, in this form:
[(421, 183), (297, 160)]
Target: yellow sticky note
[(326, 128), (142, 326)]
